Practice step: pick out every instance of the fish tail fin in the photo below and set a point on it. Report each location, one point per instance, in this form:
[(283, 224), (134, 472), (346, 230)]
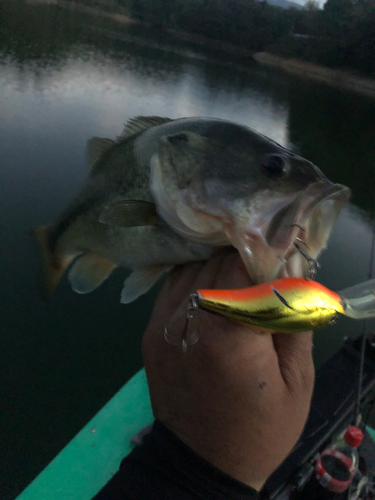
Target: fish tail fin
[(52, 267)]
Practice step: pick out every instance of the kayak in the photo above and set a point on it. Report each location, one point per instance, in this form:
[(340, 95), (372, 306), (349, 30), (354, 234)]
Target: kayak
[(93, 456)]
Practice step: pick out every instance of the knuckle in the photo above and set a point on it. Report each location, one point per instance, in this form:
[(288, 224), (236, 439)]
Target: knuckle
[(298, 371)]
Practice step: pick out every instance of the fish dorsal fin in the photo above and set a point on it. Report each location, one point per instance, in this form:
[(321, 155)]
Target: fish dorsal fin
[(141, 280), (129, 213), (96, 146), (89, 271), (140, 123)]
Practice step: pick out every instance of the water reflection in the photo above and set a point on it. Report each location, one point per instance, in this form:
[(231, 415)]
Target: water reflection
[(336, 130), (63, 83)]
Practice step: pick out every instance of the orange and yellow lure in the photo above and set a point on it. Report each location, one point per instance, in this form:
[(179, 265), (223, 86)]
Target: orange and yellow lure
[(283, 305), (288, 305)]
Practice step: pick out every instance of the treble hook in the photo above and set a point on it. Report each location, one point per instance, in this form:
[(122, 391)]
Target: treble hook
[(192, 306), (303, 242), (313, 264)]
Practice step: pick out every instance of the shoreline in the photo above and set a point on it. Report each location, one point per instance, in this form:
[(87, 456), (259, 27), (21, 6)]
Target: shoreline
[(334, 77), (92, 11)]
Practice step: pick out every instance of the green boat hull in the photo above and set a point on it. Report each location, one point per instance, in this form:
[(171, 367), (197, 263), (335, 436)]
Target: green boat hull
[(93, 456)]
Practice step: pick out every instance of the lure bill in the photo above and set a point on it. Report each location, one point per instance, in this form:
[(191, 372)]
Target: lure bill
[(288, 305)]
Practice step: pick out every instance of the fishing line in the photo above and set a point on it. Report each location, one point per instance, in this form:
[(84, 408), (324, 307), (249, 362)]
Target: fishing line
[(364, 330), (369, 410)]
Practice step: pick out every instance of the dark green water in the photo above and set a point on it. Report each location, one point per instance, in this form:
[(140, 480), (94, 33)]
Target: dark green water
[(65, 77)]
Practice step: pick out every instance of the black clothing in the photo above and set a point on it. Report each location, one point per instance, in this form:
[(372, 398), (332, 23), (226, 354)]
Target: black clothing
[(164, 468)]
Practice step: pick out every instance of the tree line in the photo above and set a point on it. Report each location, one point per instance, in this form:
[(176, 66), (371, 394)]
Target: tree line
[(341, 35)]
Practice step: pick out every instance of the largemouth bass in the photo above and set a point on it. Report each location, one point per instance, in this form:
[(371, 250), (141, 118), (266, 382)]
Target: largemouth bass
[(168, 192)]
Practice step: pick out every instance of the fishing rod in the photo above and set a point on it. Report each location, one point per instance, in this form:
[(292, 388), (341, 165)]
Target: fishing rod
[(358, 416)]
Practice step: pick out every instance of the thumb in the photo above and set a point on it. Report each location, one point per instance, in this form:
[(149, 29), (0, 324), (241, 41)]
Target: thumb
[(294, 352)]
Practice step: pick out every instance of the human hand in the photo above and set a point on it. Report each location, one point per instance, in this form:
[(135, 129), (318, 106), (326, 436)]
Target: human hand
[(238, 397)]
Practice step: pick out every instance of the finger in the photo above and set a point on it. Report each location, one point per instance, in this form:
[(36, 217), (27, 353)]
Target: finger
[(174, 287), (170, 310), (233, 273), (222, 333), (213, 269), (204, 278), (294, 352), (182, 281)]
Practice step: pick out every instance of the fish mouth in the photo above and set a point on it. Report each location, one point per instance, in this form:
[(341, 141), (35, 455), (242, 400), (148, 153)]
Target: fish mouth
[(270, 243)]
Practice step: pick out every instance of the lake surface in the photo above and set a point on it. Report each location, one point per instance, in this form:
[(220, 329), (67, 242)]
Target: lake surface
[(65, 77)]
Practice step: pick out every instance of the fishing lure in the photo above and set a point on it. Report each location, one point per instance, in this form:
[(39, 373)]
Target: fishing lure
[(287, 305)]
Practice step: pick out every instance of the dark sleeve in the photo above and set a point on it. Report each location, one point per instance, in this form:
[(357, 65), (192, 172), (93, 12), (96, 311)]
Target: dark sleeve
[(164, 468)]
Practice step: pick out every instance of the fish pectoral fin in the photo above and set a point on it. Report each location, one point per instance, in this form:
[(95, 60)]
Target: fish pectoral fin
[(141, 280), (89, 272), (96, 146), (52, 267), (130, 213)]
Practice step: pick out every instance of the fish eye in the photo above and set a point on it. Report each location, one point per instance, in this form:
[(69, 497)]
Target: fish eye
[(274, 165), (176, 138)]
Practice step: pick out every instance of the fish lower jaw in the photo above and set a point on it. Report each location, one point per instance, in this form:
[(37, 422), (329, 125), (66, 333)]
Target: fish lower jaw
[(264, 263)]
